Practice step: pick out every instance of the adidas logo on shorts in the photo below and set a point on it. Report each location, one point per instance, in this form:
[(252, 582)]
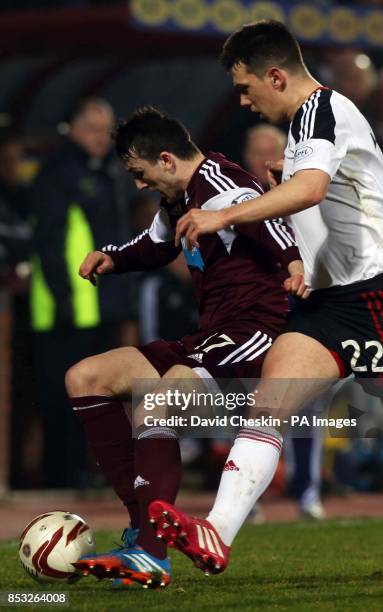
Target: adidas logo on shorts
[(139, 482), (230, 467)]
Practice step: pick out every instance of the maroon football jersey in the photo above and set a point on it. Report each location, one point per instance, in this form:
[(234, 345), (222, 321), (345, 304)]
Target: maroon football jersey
[(238, 272)]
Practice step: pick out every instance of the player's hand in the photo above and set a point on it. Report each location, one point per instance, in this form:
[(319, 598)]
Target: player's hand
[(94, 263), (197, 222), (296, 285), (274, 172)]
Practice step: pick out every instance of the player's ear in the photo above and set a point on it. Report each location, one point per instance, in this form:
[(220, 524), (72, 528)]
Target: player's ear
[(277, 78), (168, 160)]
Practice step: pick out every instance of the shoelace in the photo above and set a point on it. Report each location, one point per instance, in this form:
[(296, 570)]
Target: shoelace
[(129, 537)]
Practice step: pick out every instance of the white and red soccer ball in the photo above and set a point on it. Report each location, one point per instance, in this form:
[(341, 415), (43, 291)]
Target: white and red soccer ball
[(52, 542)]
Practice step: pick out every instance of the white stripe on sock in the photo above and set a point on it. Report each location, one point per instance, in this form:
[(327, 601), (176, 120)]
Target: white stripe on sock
[(263, 432), (91, 406), (258, 438), (158, 432)]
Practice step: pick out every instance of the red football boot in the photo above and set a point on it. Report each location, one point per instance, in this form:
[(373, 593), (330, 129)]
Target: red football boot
[(196, 538)]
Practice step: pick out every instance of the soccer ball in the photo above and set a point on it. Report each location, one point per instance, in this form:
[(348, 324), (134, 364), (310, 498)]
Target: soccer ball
[(52, 542)]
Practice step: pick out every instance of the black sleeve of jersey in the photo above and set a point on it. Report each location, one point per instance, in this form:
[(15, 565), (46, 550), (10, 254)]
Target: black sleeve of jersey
[(315, 118)]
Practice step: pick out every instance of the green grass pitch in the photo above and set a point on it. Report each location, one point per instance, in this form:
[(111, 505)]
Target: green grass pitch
[(332, 565)]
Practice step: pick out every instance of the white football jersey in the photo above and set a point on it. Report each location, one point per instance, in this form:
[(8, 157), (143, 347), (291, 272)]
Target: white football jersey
[(341, 239)]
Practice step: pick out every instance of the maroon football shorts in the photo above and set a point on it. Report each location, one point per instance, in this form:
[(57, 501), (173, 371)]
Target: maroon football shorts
[(233, 352)]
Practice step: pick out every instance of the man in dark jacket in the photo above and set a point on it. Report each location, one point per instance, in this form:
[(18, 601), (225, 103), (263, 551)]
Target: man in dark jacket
[(78, 201)]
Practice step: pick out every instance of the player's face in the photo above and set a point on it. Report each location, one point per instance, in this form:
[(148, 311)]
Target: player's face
[(256, 93), (154, 176)]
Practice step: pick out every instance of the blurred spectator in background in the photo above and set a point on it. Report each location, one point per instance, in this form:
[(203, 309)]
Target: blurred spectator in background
[(79, 204), (353, 75), (303, 456), (263, 143), (14, 232), (15, 245), (374, 110)]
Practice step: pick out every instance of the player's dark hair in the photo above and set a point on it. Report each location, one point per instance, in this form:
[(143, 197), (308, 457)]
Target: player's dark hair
[(261, 45), (148, 132)]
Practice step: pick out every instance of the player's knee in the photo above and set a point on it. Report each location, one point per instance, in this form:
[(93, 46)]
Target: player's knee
[(82, 379)]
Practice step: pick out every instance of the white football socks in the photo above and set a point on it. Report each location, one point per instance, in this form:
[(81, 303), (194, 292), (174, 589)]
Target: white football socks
[(248, 471)]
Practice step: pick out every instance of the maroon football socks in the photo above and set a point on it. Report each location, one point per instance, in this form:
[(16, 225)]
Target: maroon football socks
[(109, 434), (139, 470), (158, 475)]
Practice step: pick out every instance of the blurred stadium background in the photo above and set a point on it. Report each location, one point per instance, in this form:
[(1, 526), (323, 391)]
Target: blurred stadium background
[(160, 52)]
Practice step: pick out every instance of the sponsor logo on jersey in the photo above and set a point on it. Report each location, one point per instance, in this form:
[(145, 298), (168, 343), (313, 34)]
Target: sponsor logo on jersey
[(230, 467), (243, 198), (302, 152), (140, 482)]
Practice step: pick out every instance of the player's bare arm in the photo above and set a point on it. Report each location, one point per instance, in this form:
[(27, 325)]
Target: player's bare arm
[(304, 190), (96, 263)]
